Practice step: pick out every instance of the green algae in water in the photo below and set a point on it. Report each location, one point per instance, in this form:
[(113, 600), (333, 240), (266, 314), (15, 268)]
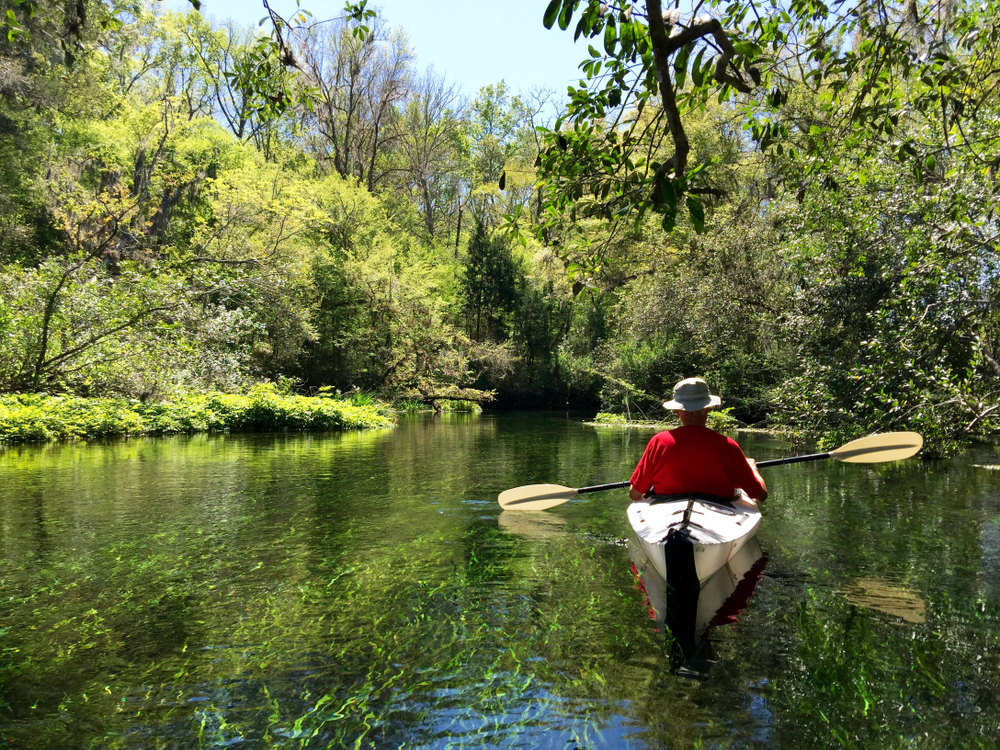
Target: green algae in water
[(362, 590)]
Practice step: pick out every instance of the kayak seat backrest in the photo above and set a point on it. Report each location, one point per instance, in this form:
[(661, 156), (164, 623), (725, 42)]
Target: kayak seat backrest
[(700, 496)]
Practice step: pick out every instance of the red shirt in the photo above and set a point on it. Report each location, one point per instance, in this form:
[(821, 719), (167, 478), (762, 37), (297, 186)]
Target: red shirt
[(694, 459)]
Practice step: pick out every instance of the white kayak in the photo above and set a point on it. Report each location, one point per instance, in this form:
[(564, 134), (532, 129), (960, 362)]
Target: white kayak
[(714, 531)]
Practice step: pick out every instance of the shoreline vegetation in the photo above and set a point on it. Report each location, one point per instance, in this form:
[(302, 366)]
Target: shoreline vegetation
[(171, 226), (40, 417), (721, 421), (27, 418), (34, 418)]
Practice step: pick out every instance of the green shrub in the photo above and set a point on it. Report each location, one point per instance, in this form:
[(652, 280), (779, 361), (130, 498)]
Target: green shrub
[(36, 417), (604, 417), (411, 405), (459, 405), (722, 420)]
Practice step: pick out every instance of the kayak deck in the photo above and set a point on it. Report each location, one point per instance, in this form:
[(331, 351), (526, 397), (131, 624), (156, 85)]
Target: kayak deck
[(717, 532)]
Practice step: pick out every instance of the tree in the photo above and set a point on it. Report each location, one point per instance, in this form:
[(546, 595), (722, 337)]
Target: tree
[(909, 56), (897, 312), (500, 153), (360, 82), (489, 286), (431, 139), (496, 118)]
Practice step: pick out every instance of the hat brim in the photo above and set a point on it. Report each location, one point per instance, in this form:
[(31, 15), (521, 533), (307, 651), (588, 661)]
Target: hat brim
[(695, 404)]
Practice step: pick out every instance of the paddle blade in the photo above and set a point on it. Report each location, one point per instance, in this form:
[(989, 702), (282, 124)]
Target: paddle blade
[(892, 446), (535, 497)]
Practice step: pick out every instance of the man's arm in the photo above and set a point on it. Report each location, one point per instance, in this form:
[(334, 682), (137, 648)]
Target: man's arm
[(763, 486), (642, 476)]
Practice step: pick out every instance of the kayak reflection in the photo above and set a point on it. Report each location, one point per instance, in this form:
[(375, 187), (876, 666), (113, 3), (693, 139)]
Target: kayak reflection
[(688, 614), (690, 610)]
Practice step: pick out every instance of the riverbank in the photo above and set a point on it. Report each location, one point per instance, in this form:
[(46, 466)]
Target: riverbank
[(721, 421), (40, 417)]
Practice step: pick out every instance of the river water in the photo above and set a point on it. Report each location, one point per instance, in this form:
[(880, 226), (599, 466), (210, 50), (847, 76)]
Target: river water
[(364, 590)]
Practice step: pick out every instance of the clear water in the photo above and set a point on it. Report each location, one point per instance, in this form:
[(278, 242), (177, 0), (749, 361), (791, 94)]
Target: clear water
[(363, 590)]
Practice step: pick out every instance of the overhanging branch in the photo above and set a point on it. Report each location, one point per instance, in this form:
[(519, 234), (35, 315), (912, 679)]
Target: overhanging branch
[(665, 42)]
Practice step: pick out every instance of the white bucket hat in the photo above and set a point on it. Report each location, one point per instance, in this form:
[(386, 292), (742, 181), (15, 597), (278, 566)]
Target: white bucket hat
[(691, 394)]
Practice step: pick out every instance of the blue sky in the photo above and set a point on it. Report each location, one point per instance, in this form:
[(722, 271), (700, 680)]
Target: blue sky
[(473, 42)]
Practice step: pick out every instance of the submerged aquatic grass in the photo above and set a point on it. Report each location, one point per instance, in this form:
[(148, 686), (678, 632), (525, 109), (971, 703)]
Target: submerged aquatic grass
[(190, 634)]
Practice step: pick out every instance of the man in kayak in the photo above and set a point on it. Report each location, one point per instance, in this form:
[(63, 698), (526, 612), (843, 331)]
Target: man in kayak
[(692, 459)]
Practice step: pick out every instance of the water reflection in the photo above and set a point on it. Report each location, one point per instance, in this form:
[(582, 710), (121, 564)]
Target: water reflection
[(532, 524), (687, 617), (885, 597)]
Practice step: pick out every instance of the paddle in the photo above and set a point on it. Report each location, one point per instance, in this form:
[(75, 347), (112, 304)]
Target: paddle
[(892, 446)]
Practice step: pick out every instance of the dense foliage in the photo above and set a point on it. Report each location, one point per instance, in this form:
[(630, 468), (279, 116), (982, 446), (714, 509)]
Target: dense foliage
[(37, 417), (826, 175), (795, 200)]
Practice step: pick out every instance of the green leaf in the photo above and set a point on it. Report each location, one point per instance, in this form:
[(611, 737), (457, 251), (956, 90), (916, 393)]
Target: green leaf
[(627, 37), (610, 37), (550, 13), (669, 219), (697, 210), (680, 64), (669, 195), (566, 14), (697, 74)]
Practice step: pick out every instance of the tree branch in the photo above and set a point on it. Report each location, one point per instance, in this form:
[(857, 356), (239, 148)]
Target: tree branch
[(662, 49), (666, 44)]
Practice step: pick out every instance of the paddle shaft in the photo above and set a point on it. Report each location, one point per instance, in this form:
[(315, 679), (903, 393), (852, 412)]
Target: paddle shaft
[(772, 462), (601, 487), (794, 459)]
